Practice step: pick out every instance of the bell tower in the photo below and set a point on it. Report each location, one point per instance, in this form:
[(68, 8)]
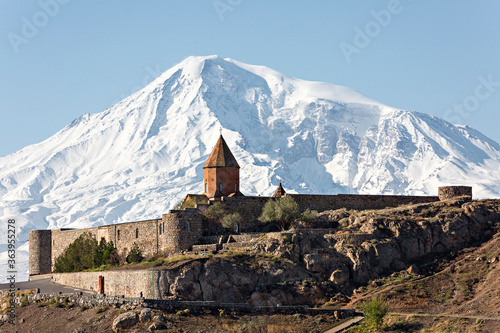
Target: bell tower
[(221, 172)]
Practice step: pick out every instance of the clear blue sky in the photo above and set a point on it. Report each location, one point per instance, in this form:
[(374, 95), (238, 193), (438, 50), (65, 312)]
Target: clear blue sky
[(85, 55)]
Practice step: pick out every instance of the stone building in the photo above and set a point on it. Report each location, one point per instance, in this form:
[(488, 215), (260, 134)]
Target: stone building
[(179, 230)]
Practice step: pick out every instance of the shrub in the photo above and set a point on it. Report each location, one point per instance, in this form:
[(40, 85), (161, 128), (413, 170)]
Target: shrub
[(101, 309), (344, 222), (375, 310), (178, 205), (135, 254), (309, 216), (282, 212), (184, 312), (24, 301), (232, 221)]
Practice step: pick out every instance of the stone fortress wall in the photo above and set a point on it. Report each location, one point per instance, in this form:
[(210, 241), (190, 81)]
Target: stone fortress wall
[(179, 230), (449, 192)]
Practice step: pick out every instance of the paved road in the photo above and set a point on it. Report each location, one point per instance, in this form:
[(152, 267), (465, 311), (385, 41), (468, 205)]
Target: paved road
[(45, 286), (345, 325)]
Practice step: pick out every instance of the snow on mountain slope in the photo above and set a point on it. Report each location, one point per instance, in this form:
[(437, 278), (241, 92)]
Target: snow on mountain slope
[(136, 159)]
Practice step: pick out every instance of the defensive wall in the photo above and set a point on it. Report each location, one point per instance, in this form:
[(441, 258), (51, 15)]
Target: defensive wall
[(195, 307), (356, 201), (176, 231), (449, 192), (179, 230)]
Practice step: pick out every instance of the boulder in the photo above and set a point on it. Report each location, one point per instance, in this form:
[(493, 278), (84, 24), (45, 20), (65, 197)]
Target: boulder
[(145, 315), (159, 318), (125, 320), (157, 326)]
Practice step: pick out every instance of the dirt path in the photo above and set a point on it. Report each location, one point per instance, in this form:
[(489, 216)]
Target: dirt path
[(345, 325), (443, 315)]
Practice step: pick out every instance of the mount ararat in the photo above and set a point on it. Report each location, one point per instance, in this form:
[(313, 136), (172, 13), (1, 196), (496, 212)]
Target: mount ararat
[(136, 159)]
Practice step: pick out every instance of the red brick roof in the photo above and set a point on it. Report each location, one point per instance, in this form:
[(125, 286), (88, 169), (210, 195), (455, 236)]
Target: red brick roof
[(221, 156), (280, 191)]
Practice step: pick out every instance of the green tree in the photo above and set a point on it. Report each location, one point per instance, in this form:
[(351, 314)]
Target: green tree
[(135, 254), (375, 309), (232, 221), (217, 211), (178, 205), (99, 251), (282, 212), (78, 256), (84, 253)]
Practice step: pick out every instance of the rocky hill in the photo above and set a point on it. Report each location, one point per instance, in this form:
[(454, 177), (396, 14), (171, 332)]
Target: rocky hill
[(315, 266)]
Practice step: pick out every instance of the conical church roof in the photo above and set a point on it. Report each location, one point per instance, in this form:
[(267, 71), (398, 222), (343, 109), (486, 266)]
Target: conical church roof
[(221, 156), (280, 191)]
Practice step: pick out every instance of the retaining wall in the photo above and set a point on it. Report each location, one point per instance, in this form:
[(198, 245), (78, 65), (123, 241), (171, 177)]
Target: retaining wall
[(95, 300), (129, 283)]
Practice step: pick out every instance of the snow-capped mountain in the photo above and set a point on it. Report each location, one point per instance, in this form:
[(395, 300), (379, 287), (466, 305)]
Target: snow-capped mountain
[(136, 159)]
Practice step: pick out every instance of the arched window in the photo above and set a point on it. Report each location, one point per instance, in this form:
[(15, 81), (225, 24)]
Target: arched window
[(220, 186), (136, 232), (118, 234), (206, 187), (235, 187)]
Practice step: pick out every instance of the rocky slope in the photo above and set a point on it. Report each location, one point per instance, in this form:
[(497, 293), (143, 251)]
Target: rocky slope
[(298, 266)]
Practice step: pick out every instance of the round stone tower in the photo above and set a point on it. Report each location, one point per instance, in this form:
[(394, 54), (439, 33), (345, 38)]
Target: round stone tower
[(40, 252), (450, 192)]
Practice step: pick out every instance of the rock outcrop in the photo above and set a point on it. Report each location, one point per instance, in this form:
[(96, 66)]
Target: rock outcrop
[(307, 266)]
